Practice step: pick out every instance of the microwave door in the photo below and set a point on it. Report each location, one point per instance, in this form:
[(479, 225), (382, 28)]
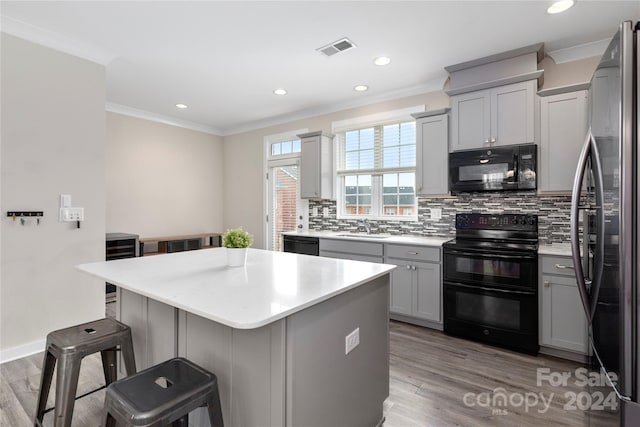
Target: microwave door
[(489, 170)]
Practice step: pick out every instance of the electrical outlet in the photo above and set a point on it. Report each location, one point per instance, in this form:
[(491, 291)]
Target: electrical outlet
[(436, 213), (351, 341), (325, 211), (71, 214), (314, 211)]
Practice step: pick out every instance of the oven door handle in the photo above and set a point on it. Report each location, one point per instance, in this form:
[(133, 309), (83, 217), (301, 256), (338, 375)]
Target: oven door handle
[(483, 288), (489, 255)]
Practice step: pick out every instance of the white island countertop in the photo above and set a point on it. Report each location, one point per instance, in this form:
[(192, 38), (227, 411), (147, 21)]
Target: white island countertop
[(271, 286)]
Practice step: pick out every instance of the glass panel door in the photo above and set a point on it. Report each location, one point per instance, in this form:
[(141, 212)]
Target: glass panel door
[(286, 212)]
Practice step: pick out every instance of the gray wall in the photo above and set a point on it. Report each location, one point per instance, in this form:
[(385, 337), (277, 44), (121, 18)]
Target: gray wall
[(53, 139)]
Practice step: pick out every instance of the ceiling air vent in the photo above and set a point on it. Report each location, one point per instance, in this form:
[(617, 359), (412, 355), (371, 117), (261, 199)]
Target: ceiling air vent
[(336, 47)]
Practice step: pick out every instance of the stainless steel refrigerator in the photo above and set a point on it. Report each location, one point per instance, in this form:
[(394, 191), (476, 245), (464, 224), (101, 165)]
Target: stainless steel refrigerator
[(604, 226)]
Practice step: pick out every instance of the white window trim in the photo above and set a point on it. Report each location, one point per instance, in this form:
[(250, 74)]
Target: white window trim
[(266, 158), (378, 119)]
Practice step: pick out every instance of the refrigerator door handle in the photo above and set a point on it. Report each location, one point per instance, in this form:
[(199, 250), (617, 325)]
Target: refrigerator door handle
[(598, 256), (575, 219)]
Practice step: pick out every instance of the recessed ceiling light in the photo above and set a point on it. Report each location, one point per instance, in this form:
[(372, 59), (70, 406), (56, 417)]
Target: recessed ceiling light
[(361, 88), (182, 106), (280, 92), (382, 60), (560, 6)]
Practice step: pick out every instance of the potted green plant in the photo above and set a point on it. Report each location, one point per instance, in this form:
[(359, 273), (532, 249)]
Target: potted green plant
[(236, 241)]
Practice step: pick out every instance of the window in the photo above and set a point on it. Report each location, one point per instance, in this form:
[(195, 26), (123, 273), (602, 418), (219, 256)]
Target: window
[(285, 147), (376, 171)]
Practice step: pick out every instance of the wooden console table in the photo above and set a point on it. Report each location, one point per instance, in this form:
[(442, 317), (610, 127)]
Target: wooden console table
[(187, 242)]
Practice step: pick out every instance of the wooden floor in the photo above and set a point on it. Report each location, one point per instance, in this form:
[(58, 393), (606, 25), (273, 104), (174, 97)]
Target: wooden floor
[(430, 375)]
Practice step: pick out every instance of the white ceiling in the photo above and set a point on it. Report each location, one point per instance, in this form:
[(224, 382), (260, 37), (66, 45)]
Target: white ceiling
[(224, 59)]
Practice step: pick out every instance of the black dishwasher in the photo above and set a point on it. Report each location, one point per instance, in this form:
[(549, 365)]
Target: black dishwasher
[(301, 245)]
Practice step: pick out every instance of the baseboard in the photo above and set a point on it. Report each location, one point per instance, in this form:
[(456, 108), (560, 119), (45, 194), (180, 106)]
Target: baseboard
[(416, 321), (564, 354), (22, 351)]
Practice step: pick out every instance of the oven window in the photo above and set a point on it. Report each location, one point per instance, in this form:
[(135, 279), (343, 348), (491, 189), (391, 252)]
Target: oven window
[(488, 310), (488, 267), (487, 173)]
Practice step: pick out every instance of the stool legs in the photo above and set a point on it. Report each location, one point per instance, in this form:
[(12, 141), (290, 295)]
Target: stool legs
[(66, 387), (126, 347), (48, 365), (215, 409), (109, 365)]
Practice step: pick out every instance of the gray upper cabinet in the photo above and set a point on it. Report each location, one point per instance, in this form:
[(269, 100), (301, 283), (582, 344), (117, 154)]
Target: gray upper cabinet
[(316, 166), (432, 137), (563, 128), (503, 115)]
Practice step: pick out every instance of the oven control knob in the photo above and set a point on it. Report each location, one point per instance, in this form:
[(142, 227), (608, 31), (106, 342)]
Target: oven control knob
[(486, 332)]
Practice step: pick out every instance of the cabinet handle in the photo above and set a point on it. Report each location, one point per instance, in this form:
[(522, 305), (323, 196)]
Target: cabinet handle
[(413, 267), (562, 267), (486, 141), (493, 140), (408, 267), (546, 283), (412, 253)]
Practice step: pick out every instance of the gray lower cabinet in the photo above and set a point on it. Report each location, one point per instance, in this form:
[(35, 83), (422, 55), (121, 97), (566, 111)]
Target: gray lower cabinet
[(563, 324), (416, 285), (354, 250)]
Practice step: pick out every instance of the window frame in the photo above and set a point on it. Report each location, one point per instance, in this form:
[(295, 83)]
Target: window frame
[(376, 173)]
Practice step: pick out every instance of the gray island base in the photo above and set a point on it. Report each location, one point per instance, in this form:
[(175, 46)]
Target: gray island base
[(287, 368)]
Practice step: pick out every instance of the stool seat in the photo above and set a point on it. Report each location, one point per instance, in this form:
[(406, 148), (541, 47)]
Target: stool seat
[(161, 395), (67, 347)]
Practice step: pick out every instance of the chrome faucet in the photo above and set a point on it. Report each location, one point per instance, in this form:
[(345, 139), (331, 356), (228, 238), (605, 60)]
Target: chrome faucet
[(366, 225)]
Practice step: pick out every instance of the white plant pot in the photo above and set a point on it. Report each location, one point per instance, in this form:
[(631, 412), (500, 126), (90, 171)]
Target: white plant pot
[(236, 257)]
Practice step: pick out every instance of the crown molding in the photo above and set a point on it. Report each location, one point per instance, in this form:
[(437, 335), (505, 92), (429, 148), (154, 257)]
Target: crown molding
[(159, 118), (581, 51), (55, 41), (432, 85)]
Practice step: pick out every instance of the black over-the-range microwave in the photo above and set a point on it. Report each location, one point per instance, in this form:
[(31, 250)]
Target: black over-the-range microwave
[(493, 169)]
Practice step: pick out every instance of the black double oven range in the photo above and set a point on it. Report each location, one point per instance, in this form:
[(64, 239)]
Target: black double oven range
[(491, 280)]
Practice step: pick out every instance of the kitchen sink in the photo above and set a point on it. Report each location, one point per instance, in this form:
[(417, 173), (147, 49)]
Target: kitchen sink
[(366, 236)]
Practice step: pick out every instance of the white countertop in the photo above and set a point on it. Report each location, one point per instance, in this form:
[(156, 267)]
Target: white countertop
[(558, 249), (271, 286), (404, 239)]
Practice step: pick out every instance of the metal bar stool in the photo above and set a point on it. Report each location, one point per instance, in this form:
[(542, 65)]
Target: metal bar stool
[(68, 347), (161, 395)]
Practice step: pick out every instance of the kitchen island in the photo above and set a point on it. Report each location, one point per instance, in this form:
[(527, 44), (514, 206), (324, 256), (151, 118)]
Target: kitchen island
[(274, 331)]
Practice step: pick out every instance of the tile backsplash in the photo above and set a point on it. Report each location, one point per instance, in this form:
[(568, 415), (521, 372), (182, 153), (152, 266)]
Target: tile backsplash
[(553, 214)]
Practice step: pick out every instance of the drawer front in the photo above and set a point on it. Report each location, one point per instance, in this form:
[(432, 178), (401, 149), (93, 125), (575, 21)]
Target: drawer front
[(362, 248), (557, 265), (353, 257), (413, 252)]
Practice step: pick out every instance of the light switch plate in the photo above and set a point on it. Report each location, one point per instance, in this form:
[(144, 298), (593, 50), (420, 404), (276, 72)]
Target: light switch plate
[(71, 214), (436, 213)]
